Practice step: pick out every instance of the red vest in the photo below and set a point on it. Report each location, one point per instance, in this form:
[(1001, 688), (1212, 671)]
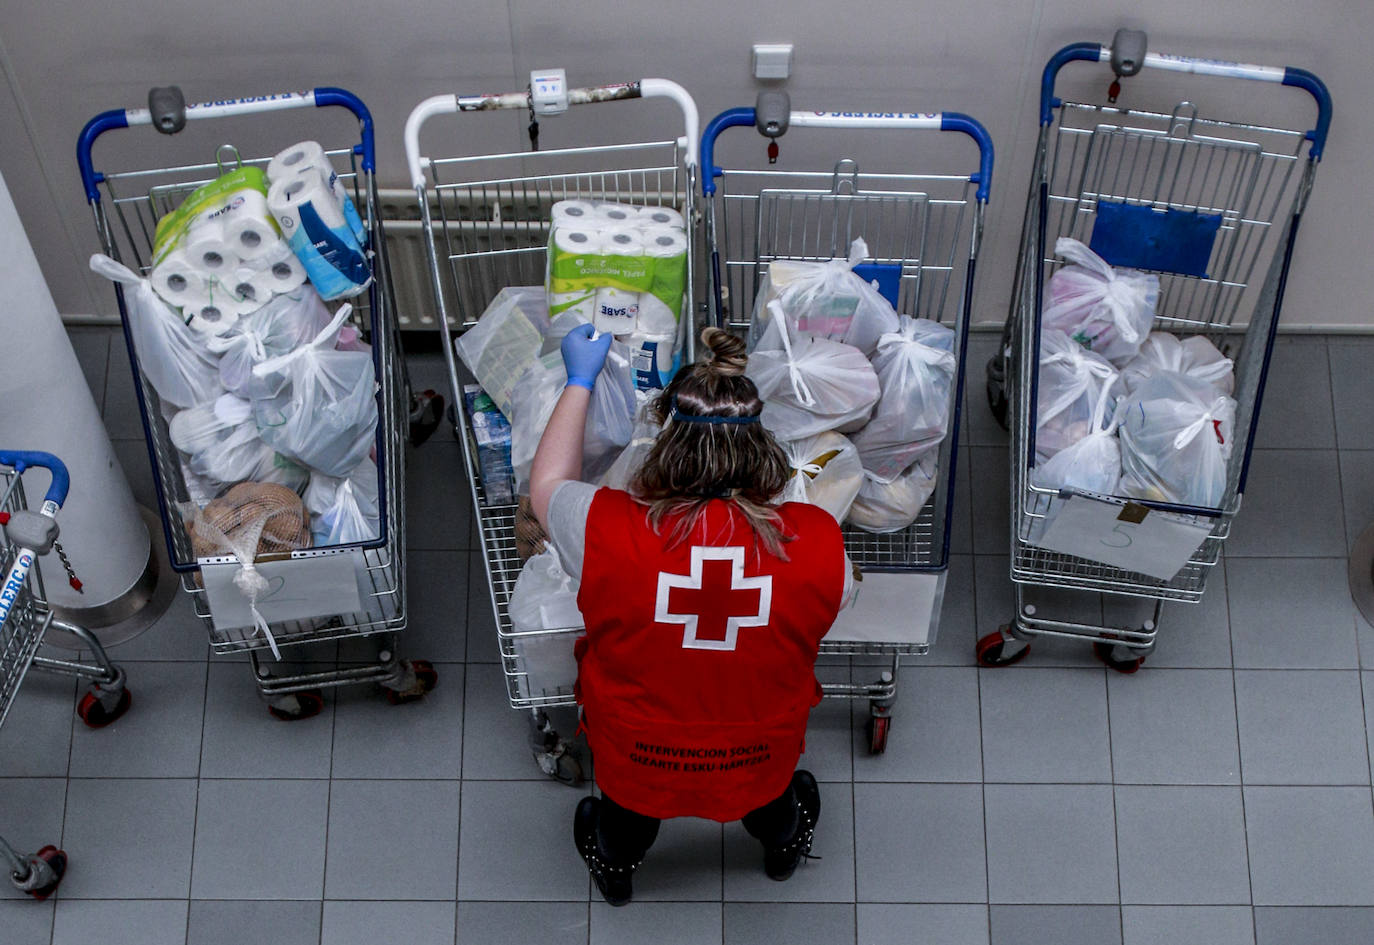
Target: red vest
[(697, 672)]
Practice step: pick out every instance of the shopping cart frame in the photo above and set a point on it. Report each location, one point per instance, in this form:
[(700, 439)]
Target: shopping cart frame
[(508, 207), (25, 619), (125, 229), (1260, 214), (823, 211)]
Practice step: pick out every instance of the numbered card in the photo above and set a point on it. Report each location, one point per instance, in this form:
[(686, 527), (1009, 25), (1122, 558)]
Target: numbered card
[(898, 609), (1127, 536), (296, 590)]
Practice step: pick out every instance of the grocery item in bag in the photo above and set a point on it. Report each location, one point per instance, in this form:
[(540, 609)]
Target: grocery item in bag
[(492, 431), (1194, 356), (175, 362), (645, 433), (825, 472), (1176, 434), (825, 299), (545, 598), (1093, 464), (222, 443), (505, 341), (326, 415), (883, 507), (277, 328), (1071, 379), (810, 385), (346, 510), (1106, 310), (915, 367)]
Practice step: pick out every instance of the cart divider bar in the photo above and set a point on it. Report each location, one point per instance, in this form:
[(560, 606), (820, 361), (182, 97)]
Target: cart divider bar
[(223, 108), (620, 91), (1283, 75), (934, 121)]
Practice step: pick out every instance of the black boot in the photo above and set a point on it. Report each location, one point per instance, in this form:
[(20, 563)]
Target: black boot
[(780, 862), (615, 882)]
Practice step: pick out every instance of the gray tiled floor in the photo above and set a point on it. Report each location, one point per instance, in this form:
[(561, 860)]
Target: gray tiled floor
[(1220, 795)]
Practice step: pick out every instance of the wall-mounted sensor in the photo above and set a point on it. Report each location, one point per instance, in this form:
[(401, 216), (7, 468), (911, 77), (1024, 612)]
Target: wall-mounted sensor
[(772, 60)]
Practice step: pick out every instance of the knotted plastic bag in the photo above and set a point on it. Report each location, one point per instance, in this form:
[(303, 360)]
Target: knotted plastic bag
[(174, 360), (221, 442), (326, 415), (1071, 379), (825, 472), (891, 506), (343, 511), (1106, 310), (1176, 434), (1195, 356), (915, 367), (1093, 464), (545, 598), (279, 327), (810, 385), (825, 299)]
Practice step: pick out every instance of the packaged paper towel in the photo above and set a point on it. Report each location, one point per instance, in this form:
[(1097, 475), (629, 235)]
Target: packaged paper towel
[(319, 234), (309, 157)]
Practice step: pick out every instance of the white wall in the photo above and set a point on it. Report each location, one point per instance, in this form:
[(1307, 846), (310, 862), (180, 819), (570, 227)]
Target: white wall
[(65, 60)]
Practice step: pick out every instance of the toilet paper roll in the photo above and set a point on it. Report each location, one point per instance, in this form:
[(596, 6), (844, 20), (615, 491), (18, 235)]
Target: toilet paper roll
[(207, 250), (177, 281), (617, 311), (659, 216), (253, 237), (616, 214), (252, 285), (578, 214), (571, 244), (308, 156), (661, 307), (622, 241), (216, 312), (282, 271), (320, 236)]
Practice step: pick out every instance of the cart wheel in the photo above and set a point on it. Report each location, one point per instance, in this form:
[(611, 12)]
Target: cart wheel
[(561, 764), (47, 866), (878, 727), (425, 680), (426, 408), (997, 391), (1107, 653), (295, 706), (98, 713), (1001, 649)]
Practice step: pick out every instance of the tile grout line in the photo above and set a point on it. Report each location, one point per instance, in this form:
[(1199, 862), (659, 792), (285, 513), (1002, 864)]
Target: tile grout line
[(1240, 755)]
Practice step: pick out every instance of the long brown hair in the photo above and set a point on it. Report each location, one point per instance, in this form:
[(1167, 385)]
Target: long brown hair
[(695, 459)]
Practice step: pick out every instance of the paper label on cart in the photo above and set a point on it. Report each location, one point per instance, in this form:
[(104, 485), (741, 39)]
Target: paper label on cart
[(1129, 536), (892, 609), (296, 590)]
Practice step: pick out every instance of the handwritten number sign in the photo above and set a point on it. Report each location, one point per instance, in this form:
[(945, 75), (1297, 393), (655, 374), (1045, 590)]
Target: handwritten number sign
[(1130, 536)]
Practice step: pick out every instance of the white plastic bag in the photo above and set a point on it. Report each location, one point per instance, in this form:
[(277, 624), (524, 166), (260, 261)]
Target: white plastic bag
[(890, 506), (545, 598), (343, 511), (1071, 379), (915, 367), (222, 443), (326, 416), (1176, 434), (1194, 356), (279, 327), (825, 299), (505, 341), (825, 472), (1108, 311), (646, 430), (1093, 464), (810, 385), (172, 357)]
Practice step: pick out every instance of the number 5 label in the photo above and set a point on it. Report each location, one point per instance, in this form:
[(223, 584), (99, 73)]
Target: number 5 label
[(1127, 536)]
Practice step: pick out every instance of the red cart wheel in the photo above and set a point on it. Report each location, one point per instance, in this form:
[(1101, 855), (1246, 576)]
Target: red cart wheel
[(94, 713), (56, 861), (878, 728), (1106, 652), (997, 649), (425, 680), (295, 706)]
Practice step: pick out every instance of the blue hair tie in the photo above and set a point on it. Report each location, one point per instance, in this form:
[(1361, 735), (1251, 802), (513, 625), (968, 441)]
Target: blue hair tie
[(676, 414)]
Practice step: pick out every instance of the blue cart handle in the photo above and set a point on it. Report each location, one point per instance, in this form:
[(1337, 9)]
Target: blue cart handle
[(129, 117), (20, 460), (1298, 78), (939, 121)]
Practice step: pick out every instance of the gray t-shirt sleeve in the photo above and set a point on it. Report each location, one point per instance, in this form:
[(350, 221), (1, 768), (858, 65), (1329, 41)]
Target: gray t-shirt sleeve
[(568, 508)]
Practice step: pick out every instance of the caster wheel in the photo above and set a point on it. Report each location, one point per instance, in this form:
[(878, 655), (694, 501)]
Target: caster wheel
[(561, 764), (295, 706), (996, 650), (425, 680), (56, 861), (91, 711), (878, 727), (997, 391), (426, 408), (1107, 653)]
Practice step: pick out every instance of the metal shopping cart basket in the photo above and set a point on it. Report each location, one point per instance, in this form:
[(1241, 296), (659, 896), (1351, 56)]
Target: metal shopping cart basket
[(487, 219), (1212, 207), (24, 620), (344, 590), (923, 232)]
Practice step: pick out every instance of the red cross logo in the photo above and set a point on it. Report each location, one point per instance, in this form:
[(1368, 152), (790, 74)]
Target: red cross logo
[(715, 600)]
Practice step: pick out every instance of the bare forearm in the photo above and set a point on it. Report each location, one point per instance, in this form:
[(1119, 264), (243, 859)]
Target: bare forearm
[(559, 455)]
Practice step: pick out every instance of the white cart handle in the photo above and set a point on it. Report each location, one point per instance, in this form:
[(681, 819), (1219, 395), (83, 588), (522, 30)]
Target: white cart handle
[(453, 104)]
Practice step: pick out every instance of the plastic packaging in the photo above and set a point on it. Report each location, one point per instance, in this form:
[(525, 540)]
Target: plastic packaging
[(1176, 435), (505, 341), (222, 444), (344, 511), (883, 507), (825, 472), (1093, 464), (1108, 311), (492, 431), (1071, 378), (277, 328), (646, 430), (1194, 356), (545, 598)]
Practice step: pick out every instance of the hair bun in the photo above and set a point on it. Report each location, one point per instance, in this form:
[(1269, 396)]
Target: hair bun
[(728, 355)]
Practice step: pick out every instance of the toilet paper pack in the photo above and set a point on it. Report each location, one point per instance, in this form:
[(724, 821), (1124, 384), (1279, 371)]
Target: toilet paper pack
[(318, 233), (240, 192), (308, 157)]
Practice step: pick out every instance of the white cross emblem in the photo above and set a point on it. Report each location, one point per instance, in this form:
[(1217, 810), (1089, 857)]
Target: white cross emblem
[(713, 599)]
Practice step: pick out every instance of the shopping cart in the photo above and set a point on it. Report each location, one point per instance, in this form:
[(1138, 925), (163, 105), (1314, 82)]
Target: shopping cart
[(492, 231), (24, 620), (1142, 185), (372, 573), (917, 227)]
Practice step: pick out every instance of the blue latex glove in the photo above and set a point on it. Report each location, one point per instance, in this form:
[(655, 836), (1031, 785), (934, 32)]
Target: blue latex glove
[(584, 357)]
